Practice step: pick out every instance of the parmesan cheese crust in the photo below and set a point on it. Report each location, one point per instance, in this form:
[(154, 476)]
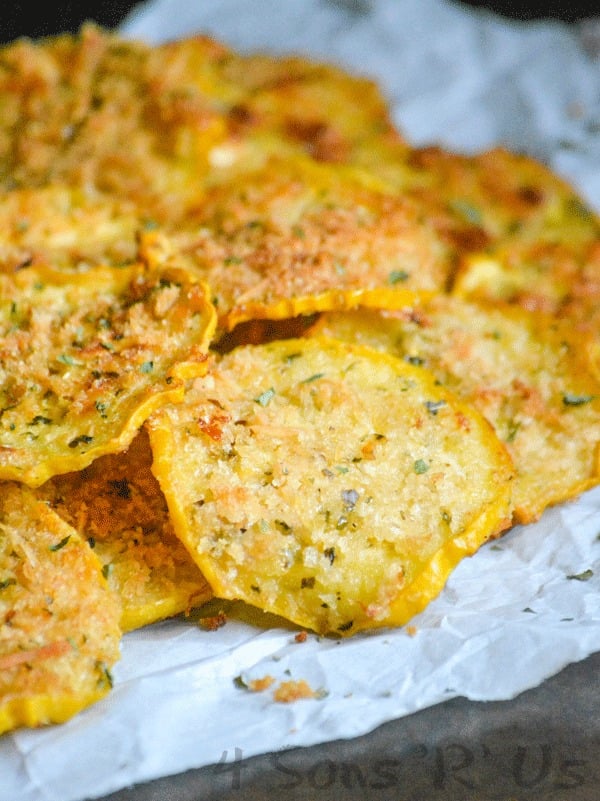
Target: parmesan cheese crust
[(297, 237), (330, 484), (116, 505), (59, 632), (165, 209), (85, 358), (530, 375)]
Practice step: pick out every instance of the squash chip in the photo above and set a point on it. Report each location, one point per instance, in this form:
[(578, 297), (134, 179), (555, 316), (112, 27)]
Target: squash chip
[(531, 376), (67, 228), (98, 112), (117, 506), (59, 632), (298, 237), (85, 358), (520, 232), (327, 483), (287, 105), (152, 124)]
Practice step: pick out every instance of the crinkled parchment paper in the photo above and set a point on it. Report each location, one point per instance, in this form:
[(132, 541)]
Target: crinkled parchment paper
[(512, 615)]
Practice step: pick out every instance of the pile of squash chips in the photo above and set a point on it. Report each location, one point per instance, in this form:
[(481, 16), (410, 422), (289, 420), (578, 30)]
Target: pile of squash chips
[(255, 346)]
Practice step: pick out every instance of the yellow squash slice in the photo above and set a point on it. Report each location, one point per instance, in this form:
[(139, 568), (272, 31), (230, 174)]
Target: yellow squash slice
[(85, 358), (297, 237), (68, 228), (519, 231), (100, 113), (287, 105), (529, 375), (59, 632), (117, 506), (327, 483)]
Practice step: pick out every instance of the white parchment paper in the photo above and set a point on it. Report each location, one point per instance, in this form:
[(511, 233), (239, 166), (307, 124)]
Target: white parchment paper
[(513, 614)]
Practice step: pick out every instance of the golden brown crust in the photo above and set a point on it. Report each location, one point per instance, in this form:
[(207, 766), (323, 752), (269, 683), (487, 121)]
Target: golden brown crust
[(59, 632), (333, 485), (116, 505), (297, 237), (85, 358), (129, 175), (530, 375)]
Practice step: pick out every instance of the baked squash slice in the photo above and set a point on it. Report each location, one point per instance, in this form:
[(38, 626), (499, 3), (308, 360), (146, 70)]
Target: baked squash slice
[(296, 237), (117, 506), (330, 484), (59, 621), (69, 228), (532, 376), (84, 358)]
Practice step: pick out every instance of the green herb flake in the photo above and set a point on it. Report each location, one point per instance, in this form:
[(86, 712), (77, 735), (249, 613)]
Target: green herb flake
[(298, 231), (231, 260), (106, 679), (265, 397), (586, 575), (512, 429), (398, 277), (7, 583), (240, 683), (107, 569), (83, 439), (569, 399), (57, 546), (420, 467), (312, 378), (417, 361), (467, 211), (147, 367), (101, 408), (64, 358), (39, 418), (433, 407)]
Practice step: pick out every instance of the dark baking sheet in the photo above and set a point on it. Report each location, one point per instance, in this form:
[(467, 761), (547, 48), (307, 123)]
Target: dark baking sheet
[(542, 746)]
